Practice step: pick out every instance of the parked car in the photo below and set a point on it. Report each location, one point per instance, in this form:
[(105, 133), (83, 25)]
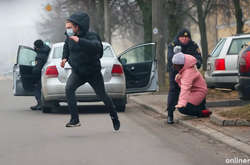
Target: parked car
[(134, 71), (243, 85), (222, 64)]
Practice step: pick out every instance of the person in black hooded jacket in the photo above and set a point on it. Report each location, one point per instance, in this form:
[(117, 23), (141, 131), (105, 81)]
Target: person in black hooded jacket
[(182, 43), (42, 51), (82, 50)]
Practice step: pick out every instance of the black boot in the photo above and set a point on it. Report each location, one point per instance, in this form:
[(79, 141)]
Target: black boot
[(36, 107), (170, 117), (73, 123), (115, 120)]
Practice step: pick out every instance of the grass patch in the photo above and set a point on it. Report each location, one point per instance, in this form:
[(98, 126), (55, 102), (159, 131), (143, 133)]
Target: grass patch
[(239, 112)]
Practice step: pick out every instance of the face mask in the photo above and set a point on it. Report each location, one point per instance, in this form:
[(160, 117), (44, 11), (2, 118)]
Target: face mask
[(70, 32)]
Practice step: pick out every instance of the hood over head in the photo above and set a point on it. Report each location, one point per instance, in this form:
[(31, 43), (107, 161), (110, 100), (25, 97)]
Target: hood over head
[(44, 49), (82, 20), (184, 32), (190, 62)]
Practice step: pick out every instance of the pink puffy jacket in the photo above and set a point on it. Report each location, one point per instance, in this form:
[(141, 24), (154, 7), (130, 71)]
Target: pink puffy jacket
[(192, 84)]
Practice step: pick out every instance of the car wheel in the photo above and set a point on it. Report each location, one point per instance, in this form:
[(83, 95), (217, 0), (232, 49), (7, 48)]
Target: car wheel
[(121, 104), (47, 106)]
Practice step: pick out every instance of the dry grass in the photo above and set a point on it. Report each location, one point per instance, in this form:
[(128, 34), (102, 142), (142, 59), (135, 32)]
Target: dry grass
[(215, 94), (239, 113)]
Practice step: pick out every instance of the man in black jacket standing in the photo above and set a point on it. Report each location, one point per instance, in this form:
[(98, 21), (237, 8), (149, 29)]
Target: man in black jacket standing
[(82, 50), (183, 42), (42, 51)]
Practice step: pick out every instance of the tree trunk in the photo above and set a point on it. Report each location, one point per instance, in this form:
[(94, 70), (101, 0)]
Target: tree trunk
[(159, 38), (107, 25), (146, 8), (100, 18), (238, 16), (174, 21), (203, 34)]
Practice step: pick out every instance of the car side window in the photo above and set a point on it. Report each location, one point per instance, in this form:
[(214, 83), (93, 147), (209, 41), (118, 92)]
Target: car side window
[(237, 45), (107, 51), (218, 48), (26, 57), (58, 51), (140, 54)]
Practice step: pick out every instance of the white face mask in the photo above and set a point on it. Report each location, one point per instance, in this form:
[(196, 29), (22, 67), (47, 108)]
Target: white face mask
[(70, 32)]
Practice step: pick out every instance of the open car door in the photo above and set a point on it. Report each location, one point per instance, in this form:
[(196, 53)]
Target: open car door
[(23, 79), (140, 68)]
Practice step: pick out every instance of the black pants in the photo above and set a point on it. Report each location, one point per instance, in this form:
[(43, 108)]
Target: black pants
[(173, 94), (96, 81), (193, 110), (37, 91)]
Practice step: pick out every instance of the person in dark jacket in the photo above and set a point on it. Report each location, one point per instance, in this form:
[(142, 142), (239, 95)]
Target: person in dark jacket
[(82, 50), (182, 43), (42, 51)]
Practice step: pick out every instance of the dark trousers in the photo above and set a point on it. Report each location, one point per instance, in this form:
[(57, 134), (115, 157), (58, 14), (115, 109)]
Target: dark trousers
[(193, 110), (173, 94), (37, 91), (96, 81)]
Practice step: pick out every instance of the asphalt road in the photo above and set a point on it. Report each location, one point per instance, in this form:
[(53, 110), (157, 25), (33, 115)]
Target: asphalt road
[(33, 138)]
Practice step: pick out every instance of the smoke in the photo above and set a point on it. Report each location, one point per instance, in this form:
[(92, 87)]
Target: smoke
[(18, 19)]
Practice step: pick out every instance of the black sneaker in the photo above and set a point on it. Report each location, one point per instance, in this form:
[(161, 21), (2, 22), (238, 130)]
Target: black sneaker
[(116, 124), (73, 123), (36, 107)]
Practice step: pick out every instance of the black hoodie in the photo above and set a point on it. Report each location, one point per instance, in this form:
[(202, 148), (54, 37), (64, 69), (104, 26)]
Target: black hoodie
[(191, 48), (84, 55), (41, 59)]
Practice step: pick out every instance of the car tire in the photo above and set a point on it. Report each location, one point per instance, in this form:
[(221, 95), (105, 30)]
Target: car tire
[(48, 106), (121, 104)]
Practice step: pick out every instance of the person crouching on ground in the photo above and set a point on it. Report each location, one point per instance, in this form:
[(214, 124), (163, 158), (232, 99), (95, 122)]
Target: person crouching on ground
[(192, 98)]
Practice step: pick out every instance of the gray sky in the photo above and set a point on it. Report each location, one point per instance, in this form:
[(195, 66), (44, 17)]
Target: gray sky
[(18, 18)]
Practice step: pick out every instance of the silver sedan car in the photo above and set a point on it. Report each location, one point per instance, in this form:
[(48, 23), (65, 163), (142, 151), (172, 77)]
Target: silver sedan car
[(222, 64), (134, 71)]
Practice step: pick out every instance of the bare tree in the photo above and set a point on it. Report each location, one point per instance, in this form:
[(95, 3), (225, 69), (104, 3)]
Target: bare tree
[(198, 12), (107, 24), (234, 8), (52, 25), (238, 16), (175, 17)]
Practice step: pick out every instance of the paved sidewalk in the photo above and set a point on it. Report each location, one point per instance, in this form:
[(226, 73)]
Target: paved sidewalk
[(236, 137)]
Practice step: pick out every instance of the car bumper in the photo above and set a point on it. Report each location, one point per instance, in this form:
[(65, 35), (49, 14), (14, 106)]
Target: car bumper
[(54, 90), (221, 81)]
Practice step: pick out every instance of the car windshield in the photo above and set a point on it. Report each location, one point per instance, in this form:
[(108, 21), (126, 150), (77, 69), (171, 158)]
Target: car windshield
[(59, 50), (237, 45)]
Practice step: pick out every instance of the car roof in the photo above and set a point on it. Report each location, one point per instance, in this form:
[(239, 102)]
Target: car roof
[(59, 44), (238, 36)]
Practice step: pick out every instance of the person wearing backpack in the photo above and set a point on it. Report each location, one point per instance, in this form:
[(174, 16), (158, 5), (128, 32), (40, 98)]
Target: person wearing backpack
[(83, 50)]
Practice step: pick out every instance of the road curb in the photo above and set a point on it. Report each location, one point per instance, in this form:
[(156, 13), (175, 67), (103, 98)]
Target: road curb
[(221, 121), (214, 134)]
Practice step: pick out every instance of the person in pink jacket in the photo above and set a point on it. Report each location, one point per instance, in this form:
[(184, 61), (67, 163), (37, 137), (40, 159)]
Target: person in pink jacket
[(192, 98)]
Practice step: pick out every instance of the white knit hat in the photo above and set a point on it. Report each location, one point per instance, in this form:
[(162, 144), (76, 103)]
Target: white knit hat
[(178, 59)]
